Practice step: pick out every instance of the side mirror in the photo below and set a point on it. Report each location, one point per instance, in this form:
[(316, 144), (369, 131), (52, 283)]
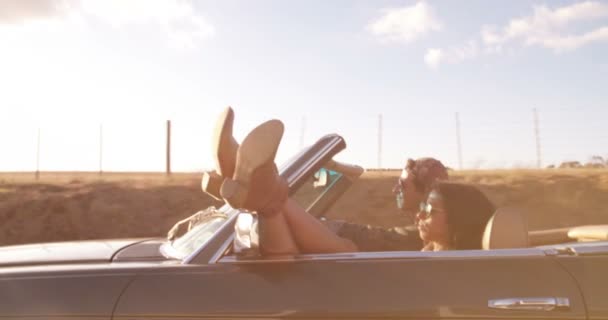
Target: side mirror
[(320, 178)]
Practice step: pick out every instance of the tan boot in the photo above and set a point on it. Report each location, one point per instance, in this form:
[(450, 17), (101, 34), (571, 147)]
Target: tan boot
[(224, 151), (256, 184), (211, 184)]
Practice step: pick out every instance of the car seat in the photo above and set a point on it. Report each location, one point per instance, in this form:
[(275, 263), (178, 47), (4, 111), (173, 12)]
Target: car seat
[(507, 228)]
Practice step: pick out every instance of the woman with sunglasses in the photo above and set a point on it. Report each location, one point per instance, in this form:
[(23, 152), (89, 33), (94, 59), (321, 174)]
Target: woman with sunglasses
[(416, 180), (412, 187), (453, 217)]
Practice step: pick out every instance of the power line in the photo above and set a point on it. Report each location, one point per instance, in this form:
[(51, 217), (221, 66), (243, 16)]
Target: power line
[(168, 147), (100, 149), (490, 136), (537, 134), (38, 156), (458, 143), (380, 141)]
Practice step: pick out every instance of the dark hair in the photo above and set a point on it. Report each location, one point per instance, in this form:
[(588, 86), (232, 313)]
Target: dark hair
[(468, 211)]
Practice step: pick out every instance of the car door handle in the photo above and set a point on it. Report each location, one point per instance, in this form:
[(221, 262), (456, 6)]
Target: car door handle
[(531, 303)]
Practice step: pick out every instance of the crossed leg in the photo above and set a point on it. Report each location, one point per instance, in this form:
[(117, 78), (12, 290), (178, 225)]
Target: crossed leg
[(285, 227), (310, 234), (293, 230)]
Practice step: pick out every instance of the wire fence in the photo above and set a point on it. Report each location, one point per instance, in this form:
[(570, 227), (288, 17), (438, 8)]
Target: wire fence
[(461, 139)]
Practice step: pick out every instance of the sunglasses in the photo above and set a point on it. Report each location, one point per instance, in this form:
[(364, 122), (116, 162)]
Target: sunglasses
[(426, 210), (399, 197)]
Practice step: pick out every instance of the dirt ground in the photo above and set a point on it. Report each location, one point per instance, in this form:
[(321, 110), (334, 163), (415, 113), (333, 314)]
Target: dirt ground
[(72, 206)]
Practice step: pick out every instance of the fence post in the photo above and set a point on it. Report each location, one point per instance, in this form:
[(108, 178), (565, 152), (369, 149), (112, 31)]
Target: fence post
[(458, 142), (168, 147), (537, 135), (38, 157), (379, 141), (100, 149)]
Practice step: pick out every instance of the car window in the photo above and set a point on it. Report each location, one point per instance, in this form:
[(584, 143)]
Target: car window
[(315, 187)]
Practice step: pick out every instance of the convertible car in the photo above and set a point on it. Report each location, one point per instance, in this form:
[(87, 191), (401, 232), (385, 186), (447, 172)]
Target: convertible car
[(213, 270)]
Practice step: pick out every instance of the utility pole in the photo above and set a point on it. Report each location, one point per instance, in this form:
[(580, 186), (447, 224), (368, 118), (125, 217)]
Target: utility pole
[(458, 143), (38, 157), (168, 147), (537, 135), (100, 149), (380, 141), (303, 132)]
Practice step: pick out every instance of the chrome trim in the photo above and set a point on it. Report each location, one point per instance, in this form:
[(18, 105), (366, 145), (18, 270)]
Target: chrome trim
[(562, 303), (596, 248), (531, 303), (167, 250), (351, 171), (551, 252), (590, 248), (296, 175), (196, 252), (390, 255), (216, 257)]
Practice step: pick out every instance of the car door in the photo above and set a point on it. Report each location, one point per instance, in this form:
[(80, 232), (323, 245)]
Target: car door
[(505, 284), (511, 284), (588, 263), (69, 291), (499, 284)]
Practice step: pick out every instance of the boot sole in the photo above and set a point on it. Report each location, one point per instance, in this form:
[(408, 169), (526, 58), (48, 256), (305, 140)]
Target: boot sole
[(258, 148), (211, 184), (224, 145)]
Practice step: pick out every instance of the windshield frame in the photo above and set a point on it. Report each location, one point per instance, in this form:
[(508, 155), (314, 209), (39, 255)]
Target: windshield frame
[(295, 171)]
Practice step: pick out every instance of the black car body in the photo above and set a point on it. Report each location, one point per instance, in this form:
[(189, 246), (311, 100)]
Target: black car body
[(201, 276)]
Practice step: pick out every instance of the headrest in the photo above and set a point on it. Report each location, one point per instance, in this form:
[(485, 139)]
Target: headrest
[(506, 229)]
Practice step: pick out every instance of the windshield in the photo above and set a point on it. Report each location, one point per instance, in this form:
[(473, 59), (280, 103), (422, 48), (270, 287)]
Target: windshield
[(315, 187), (200, 233)]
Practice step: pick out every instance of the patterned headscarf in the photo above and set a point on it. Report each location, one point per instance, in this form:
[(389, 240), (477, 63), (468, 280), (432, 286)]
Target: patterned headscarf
[(425, 171)]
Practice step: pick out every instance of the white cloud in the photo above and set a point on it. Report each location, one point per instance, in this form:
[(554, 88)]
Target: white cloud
[(434, 57), (176, 19), (546, 27), (405, 24), (19, 11), (571, 42)]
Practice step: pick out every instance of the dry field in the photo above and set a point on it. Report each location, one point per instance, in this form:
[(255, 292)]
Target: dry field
[(70, 206)]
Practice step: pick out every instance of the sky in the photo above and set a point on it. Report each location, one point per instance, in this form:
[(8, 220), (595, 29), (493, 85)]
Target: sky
[(90, 84)]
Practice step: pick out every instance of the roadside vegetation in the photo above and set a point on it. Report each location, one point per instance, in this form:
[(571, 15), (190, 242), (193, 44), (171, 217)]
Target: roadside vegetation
[(76, 206)]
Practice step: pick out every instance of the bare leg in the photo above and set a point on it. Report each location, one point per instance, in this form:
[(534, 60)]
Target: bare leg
[(293, 230), (285, 228), (275, 235), (311, 235)]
